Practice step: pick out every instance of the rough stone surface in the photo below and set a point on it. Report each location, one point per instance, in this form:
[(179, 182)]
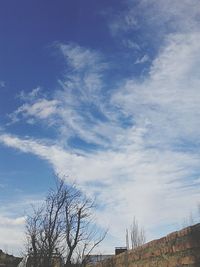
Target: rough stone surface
[(181, 248)]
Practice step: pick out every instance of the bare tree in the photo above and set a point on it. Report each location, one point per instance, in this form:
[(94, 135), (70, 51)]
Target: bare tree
[(44, 228), (189, 220), (33, 230), (80, 231), (66, 224), (192, 218), (52, 223), (135, 236)]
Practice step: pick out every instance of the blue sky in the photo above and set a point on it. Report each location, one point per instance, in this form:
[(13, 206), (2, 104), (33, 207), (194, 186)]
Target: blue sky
[(105, 93)]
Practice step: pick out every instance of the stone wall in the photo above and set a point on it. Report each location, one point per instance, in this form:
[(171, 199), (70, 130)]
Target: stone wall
[(181, 248)]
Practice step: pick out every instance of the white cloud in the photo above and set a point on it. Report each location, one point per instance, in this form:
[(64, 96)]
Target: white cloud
[(124, 22), (12, 222), (142, 60), (70, 108), (31, 95), (87, 66), (131, 44), (5, 221), (169, 97), (80, 58), (40, 109), (178, 16), (159, 17), (12, 239)]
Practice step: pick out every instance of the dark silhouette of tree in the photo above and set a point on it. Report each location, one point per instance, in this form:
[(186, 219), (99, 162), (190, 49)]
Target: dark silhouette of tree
[(64, 225)]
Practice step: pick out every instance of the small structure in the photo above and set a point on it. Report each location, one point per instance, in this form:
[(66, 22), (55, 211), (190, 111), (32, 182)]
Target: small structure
[(119, 250)]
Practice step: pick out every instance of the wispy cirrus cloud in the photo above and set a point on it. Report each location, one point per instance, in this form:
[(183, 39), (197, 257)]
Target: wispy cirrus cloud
[(169, 96), (41, 109), (35, 106), (148, 23), (142, 60), (79, 103), (31, 95), (163, 17)]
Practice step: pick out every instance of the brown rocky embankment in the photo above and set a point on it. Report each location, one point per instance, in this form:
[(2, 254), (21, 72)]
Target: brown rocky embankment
[(7, 260), (178, 249)]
